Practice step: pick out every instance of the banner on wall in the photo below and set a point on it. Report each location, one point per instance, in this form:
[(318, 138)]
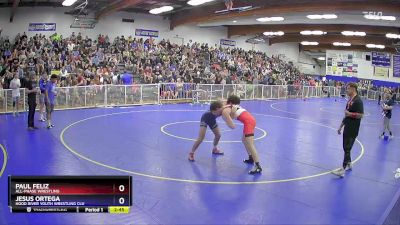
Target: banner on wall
[(340, 63), (42, 27), (396, 66), (227, 42), (381, 71), (146, 33), (381, 59)]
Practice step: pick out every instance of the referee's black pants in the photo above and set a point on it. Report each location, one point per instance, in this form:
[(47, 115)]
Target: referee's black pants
[(31, 114), (348, 142)]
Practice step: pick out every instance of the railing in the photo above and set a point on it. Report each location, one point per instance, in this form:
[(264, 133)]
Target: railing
[(141, 94), (176, 91)]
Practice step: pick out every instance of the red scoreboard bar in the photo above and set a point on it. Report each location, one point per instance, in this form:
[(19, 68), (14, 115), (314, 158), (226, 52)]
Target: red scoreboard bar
[(79, 194)]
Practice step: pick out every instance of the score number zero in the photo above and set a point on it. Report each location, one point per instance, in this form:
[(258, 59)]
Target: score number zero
[(121, 200)]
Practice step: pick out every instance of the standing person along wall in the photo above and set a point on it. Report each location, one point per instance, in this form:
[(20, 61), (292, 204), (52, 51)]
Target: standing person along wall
[(387, 108), (51, 94), (15, 85)]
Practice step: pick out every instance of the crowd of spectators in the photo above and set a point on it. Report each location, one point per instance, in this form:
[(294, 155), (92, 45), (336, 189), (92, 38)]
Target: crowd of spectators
[(81, 61)]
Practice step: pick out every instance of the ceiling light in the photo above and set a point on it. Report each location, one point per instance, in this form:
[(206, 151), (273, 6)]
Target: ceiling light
[(270, 19), (354, 33), (323, 16), (309, 43), (68, 2), (394, 36), (279, 33), (312, 32), (321, 58), (305, 32), (329, 16), (314, 17), (161, 10), (375, 46), (378, 17), (234, 21), (198, 2), (345, 44)]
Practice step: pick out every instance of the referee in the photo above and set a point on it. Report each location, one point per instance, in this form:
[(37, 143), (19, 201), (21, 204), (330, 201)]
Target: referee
[(31, 90), (351, 123)]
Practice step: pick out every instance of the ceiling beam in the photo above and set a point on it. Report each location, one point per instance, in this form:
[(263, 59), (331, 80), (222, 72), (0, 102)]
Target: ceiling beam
[(329, 39), (208, 15), (31, 4), (14, 9), (186, 16), (117, 6), (296, 28)]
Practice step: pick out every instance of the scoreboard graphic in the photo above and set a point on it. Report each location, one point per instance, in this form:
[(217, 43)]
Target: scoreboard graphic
[(70, 194)]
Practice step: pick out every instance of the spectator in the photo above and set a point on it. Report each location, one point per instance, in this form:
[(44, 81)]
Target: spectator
[(51, 94), (127, 78), (387, 108), (15, 85), (42, 106)]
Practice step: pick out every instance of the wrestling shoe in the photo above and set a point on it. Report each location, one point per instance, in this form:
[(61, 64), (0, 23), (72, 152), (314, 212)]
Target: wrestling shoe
[(255, 170), (339, 172), (217, 151)]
